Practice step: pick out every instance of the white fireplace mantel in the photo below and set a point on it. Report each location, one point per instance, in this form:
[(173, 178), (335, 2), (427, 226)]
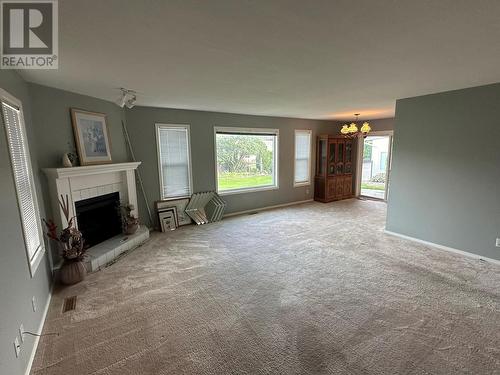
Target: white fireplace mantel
[(90, 170), (79, 183)]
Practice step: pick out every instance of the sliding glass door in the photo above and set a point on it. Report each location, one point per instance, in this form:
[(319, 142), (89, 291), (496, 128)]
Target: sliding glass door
[(375, 167)]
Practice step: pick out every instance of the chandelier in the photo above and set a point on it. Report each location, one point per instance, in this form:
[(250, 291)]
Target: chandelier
[(351, 131)]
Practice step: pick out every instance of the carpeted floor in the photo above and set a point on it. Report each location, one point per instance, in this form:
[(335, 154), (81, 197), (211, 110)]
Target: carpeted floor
[(310, 289)]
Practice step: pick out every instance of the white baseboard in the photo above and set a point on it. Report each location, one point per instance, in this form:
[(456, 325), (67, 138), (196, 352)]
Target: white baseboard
[(39, 331), (268, 207), (445, 248)]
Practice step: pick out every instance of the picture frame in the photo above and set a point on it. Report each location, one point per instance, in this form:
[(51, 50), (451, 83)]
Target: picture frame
[(91, 137), (168, 219), (180, 205), (167, 223)]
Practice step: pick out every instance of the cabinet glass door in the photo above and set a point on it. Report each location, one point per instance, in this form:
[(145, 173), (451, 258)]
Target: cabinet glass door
[(348, 157), (332, 152), (340, 152), (331, 159), (339, 166), (348, 151), (322, 157)]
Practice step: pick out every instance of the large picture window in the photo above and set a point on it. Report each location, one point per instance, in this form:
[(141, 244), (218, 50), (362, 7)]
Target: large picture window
[(302, 167), (15, 131), (246, 159), (174, 163)]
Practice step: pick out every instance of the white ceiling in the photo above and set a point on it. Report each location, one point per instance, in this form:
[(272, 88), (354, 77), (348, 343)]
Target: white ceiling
[(297, 58)]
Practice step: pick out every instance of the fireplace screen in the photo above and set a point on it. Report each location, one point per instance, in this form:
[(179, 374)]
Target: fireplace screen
[(99, 218)]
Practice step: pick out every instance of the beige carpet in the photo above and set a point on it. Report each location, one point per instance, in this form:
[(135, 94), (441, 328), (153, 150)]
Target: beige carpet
[(311, 289)]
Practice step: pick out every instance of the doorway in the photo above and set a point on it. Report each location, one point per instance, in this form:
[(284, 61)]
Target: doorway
[(374, 165)]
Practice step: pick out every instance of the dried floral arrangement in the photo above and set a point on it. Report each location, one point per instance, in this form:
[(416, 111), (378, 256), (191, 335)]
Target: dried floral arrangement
[(70, 240), (130, 223), (127, 217)]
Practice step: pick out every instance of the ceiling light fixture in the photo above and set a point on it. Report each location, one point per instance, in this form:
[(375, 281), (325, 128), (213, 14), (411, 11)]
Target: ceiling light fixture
[(127, 99), (351, 131)]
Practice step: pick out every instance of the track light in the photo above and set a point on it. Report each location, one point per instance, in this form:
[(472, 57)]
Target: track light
[(121, 101), (131, 101), (127, 98)]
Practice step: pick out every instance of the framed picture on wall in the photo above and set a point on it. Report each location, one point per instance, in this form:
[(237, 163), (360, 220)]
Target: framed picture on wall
[(91, 137)]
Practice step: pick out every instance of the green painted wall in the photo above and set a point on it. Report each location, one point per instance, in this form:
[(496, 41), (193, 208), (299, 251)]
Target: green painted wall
[(445, 182), (383, 124), (51, 112), (141, 126), (54, 132), (17, 286)]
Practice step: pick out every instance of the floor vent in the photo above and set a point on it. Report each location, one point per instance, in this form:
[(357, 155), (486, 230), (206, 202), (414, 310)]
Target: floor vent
[(69, 304)]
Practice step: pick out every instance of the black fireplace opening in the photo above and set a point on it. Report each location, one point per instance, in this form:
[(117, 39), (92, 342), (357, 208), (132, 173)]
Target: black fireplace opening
[(99, 218)]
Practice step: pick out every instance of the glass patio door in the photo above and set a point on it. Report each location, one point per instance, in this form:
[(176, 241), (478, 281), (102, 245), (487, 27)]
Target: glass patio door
[(376, 166)]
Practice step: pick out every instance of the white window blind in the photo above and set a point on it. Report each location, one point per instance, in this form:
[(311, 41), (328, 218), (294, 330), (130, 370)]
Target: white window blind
[(302, 157), (174, 163), (24, 183)]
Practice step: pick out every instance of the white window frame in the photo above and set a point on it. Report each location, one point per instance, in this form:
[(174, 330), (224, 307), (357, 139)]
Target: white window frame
[(308, 182), (35, 259), (159, 126), (256, 131)]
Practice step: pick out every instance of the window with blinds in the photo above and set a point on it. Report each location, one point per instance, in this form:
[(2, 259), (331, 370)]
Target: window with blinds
[(302, 157), (174, 160), (24, 182)]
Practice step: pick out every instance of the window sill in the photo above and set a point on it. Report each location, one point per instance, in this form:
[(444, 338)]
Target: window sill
[(300, 184), (35, 262), (164, 199), (249, 190)]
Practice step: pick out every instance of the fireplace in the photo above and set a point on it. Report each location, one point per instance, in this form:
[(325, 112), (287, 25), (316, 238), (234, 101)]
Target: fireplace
[(99, 218)]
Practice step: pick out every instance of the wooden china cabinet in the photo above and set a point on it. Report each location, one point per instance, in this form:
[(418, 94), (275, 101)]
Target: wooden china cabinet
[(334, 168)]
